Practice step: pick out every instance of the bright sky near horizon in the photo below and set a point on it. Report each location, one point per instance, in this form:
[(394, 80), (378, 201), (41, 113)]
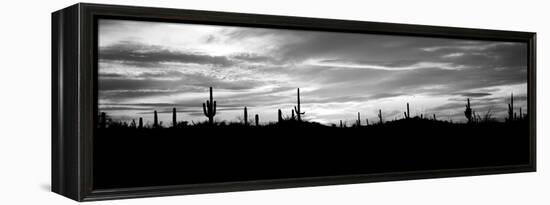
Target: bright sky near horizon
[(146, 66)]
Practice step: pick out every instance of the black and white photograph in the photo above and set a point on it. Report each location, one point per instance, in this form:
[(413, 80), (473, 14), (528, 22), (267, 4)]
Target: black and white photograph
[(183, 103)]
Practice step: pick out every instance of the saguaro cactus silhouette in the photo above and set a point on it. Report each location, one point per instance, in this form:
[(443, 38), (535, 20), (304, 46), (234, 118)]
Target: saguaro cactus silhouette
[(292, 116), (367, 122), (279, 116), (245, 117), (209, 108), (257, 120), (468, 111), (380, 116), (174, 120), (511, 108), (103, 122), (407, 114), (341, 125), (140, 125), (358, 119), (155, 120), (297, 109)]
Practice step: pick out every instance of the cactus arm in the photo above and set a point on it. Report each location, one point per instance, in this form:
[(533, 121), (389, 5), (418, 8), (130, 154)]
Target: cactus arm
[(204, 109), (214, 109)]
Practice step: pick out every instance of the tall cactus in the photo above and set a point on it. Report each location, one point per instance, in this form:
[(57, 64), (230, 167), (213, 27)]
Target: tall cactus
[(140, 125), (209, 108), (155, 120), (292, 116), (297, 109), (174, 120), (245, 117), (279, 116), (341, 124), (407, 114), (380, 116), (358, 119), (257, 120), (468, 111), (511, 108)]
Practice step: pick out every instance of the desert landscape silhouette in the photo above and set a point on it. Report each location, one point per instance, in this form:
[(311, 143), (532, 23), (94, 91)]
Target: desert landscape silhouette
[(129, 154)]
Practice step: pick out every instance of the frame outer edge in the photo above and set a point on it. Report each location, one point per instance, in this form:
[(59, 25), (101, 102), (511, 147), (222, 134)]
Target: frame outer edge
[(56, 171), (65, 131)]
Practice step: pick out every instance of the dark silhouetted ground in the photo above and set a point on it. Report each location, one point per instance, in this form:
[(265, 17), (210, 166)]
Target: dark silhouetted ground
[(130, 157)]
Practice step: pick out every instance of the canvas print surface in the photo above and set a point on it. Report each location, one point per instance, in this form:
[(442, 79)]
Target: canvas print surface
[(189, 104)]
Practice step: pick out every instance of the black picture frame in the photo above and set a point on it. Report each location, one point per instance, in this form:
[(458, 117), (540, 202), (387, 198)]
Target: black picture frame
[(74, 94)]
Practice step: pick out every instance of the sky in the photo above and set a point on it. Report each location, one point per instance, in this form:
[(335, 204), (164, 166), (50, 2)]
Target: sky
[(147, 66)]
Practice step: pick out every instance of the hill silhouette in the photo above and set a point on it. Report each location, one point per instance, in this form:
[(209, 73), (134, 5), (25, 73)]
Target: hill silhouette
[(134, 154)]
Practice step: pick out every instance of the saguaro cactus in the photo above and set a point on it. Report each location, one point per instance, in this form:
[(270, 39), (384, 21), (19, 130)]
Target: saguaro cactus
[(358, 119), (209, 108), (103, 122), (279, 116), (511, 108), (341, 125), (367, 122), (245, 117), (407, 114), (380, 116), (468, 111), (155, 120), (292, 116), (257, 119), (174, 120), (297, 109), (140, 125)]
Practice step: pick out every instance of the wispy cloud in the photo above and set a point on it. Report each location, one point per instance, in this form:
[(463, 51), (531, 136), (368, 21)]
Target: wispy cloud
[(140, 54)]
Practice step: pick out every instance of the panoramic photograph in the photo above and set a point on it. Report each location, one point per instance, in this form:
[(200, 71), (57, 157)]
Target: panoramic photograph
[(182, 103)]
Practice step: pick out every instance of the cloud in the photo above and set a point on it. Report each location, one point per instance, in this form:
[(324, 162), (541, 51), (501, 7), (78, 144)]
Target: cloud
[(136, 53), (468, 94), (413, 66), (185, 82), (250, 57)]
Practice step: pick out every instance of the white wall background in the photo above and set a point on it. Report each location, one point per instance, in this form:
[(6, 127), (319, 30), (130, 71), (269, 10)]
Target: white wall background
[(25, 91)]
